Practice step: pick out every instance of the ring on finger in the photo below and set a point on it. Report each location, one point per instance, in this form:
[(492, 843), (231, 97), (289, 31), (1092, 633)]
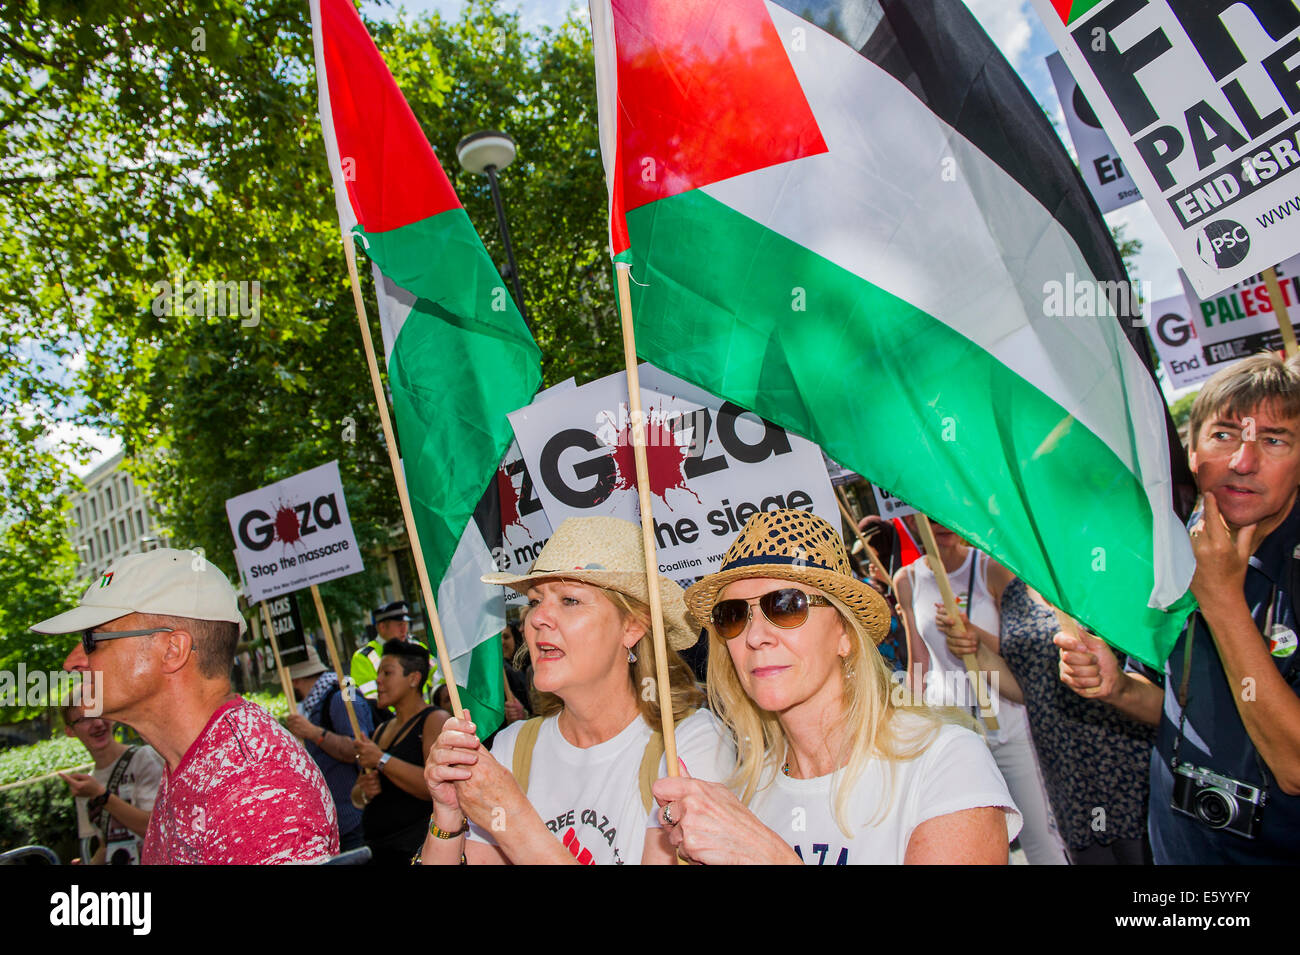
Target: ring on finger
[(668, 816)]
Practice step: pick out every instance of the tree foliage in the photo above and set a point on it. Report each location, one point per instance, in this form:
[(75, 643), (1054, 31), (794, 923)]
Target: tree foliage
[(149, 145)]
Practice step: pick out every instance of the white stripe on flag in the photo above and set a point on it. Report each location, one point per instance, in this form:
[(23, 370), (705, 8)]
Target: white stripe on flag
[(876, 205), (347, 218)]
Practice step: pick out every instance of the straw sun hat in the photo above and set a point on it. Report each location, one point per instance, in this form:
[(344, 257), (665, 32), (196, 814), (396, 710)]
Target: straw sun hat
[(606, 552), (795, 546)]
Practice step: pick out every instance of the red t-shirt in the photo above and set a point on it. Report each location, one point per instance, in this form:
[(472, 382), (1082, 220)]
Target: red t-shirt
[(245, 793)]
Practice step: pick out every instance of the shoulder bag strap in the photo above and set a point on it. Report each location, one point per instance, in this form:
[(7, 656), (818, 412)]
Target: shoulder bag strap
[(522, 760)]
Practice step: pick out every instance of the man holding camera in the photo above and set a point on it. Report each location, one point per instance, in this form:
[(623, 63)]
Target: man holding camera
[(1225, 773)]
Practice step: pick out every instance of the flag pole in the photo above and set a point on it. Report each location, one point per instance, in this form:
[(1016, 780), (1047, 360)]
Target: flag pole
[(950, 604), (285, 683), (426, 591), (334, 660), (871, 551), (647, 519), (1279, 311)]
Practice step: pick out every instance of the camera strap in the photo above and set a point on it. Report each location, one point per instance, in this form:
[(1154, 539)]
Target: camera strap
[(1184, 696)]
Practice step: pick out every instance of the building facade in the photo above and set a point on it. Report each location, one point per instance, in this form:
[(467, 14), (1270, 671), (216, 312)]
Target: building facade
[(111, 519)]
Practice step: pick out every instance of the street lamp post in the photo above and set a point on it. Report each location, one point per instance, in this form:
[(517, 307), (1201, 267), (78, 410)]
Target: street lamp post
[(487, 153)]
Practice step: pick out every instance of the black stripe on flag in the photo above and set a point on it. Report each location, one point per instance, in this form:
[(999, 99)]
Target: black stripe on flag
[(938, 50)]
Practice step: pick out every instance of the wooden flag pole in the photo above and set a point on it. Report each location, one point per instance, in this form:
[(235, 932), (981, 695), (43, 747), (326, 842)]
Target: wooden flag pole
[(1279, 311), (285, 683), (871, 551), (334, 660), (950, 604), (403, 496), (647, 520)]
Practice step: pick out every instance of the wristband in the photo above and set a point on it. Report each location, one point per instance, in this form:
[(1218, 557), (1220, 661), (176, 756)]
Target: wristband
[(444, 834), (323, 734)]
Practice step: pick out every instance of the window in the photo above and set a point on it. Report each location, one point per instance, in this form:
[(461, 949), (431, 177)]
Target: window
[(108, 499), (94, 510), (139, 522)]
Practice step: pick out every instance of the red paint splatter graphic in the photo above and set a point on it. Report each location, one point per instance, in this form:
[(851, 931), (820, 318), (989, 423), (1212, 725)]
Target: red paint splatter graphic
[(575, 848), (665, 460), (286, 525), (509, 496)]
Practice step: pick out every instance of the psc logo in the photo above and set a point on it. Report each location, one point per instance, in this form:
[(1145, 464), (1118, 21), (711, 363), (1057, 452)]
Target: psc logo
[(1223, 244)]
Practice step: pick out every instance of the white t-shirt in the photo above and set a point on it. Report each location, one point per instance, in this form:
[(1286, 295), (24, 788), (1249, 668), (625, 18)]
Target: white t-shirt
[(955, 772), (139, 786), (947, 683), (591, 798)]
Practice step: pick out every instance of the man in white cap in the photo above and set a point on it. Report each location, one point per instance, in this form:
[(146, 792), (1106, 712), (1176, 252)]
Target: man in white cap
[(321, 722), (158, 633)]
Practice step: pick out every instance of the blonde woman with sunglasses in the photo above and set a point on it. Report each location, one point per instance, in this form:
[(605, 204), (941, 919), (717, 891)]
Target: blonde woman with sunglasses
[(573, 784), (834, 768)]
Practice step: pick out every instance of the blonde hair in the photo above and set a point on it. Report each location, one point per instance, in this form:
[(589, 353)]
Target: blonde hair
[(684, 692), (871, 699)]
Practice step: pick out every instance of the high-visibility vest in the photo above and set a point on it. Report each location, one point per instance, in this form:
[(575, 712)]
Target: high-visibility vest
[(365, 666)]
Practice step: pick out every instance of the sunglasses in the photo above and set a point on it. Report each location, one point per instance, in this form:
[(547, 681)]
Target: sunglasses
[(786, 608), (92, 638)]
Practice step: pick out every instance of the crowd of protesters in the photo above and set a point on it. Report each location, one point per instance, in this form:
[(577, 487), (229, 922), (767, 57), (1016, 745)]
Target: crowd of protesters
[(831, 726)]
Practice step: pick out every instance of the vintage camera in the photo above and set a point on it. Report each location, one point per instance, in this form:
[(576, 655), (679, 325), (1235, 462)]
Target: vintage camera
[(1219, 802)]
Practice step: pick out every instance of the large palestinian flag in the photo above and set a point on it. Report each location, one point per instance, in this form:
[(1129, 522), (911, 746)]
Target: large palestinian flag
[(459, 355), (844, 216)]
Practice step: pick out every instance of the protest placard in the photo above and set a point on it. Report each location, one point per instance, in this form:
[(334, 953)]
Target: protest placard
[(890, 506), (286, 624), (524, 526), (1239, 321), (1202, 103), (293, 533), (1173, 331), (1100, 165), (712, 465)]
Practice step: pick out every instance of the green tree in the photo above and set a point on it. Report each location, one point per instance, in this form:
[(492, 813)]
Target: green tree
[(157, 148)]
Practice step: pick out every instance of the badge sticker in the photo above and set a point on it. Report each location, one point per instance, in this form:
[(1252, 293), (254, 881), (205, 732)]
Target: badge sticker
[(1282, 641)]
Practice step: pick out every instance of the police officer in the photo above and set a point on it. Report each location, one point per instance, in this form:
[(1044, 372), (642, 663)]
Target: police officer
[(392, 622)]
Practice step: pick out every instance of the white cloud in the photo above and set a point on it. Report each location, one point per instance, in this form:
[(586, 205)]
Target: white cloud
[(1007, 24), (61, 439)]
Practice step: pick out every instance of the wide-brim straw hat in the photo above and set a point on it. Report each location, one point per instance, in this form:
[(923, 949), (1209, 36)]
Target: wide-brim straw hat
[(606, 552), (795, 546)]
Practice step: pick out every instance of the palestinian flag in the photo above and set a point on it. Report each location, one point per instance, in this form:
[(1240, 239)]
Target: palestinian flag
[(459, 354), (1071, 10), (844, 217)]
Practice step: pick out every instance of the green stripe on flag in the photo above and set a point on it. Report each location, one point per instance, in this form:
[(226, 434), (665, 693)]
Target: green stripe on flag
[(936, 423), (1080, 7), (483, 688)]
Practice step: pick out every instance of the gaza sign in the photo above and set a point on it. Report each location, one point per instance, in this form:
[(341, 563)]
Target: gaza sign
[(1201, 99), (293, 534)]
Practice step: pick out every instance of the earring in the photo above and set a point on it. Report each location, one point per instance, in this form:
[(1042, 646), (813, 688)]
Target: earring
[(848, 667), (631, 657)]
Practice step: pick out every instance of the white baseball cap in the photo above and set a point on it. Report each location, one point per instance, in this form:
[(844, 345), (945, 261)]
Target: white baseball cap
[(177, 583)]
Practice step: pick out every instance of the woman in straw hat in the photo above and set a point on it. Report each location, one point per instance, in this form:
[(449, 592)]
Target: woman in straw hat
[(574, 783), (833, 766)]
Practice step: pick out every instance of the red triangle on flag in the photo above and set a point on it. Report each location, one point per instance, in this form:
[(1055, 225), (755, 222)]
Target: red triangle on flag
[(706, 92), (392, 176)]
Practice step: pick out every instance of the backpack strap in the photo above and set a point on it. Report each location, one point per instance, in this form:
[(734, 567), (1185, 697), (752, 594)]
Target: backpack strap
[(654, 751), (522, 759), (326, 721)]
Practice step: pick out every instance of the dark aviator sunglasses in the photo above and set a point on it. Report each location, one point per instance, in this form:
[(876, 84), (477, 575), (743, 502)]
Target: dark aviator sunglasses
[(786, 608)]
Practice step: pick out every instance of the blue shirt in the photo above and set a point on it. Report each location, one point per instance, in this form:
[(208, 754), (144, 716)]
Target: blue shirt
[(1214, 737), (340, 777)]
